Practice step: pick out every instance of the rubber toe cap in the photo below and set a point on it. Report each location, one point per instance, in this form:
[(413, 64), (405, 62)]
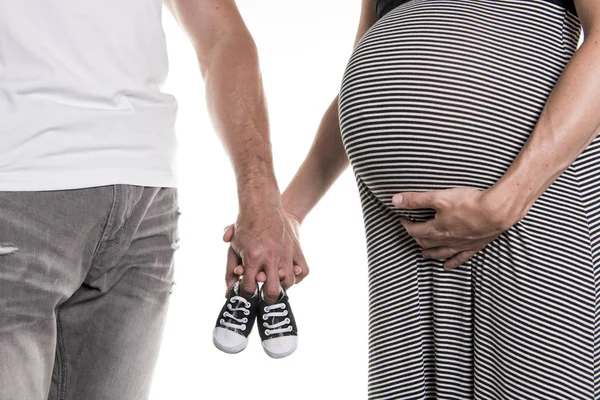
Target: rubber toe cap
[(281, 346), (229, 341)]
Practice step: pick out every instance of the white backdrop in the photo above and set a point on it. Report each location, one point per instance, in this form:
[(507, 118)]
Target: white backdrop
[(304, 46)]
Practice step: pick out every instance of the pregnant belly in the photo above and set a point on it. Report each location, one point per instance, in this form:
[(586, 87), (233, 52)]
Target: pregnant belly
[(445, 93)]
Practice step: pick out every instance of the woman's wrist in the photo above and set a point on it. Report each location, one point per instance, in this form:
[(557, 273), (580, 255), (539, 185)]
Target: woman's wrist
[(507, 203), (291, 208)]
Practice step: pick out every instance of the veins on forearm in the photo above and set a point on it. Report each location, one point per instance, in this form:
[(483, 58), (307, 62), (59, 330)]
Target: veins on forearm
[(238, 109), (567, 125)]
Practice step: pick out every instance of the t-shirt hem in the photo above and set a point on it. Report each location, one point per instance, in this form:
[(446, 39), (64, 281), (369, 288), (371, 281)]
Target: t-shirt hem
[(87, 179)]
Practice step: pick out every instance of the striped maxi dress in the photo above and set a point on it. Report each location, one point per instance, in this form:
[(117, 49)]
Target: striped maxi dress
[(445, 93)]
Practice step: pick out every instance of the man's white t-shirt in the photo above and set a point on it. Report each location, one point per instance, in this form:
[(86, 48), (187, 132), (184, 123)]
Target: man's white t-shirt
[(80, 97)]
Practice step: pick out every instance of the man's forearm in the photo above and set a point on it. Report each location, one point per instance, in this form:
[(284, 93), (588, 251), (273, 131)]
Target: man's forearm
[(237, 106), (323, 165), (568, 123)]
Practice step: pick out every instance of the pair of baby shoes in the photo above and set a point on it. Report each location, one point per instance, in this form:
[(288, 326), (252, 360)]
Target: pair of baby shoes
[(276, 323)]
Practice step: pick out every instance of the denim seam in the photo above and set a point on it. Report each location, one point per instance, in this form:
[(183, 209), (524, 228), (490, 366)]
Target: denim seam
[(61, 359), (177, 215), (124, 229), (109, 224), (122, 232)]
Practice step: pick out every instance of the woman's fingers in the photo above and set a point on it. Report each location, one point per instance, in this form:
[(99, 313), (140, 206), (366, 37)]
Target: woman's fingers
[(260, 277), (301, 269), (228, 234)]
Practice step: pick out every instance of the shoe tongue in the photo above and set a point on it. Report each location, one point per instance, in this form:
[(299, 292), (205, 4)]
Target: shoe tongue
[(274, 320), (236, 288), (281, 294), (236, 291)]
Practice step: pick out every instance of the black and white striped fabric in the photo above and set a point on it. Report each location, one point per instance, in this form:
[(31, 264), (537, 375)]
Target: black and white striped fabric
[(445, 93)]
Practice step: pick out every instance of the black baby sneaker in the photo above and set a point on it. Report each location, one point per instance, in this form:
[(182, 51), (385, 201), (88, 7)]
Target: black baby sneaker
[(235, 321), (277, 326)]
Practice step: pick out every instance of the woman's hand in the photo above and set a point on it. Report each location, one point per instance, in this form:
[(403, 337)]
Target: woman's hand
[(466, 220)]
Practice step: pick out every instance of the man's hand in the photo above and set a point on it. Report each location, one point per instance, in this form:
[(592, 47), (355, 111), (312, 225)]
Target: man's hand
[(264, 248), (264, 238)]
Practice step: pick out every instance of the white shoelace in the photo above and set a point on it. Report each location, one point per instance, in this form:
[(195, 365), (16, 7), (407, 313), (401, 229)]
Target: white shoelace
[(242, 321), (278, 327)]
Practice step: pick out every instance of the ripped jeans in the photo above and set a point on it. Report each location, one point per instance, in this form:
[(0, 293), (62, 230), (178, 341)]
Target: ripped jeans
[(85, 279)]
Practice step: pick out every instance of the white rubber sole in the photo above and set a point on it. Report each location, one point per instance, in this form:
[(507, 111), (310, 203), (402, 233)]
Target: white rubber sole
[(228, 350), (280, 355)]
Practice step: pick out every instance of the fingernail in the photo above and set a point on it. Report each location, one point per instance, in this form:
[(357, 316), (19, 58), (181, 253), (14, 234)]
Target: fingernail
[(397, 199)]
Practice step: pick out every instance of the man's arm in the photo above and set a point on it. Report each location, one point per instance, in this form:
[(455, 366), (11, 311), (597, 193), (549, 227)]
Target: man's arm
[(229, 65), (326, 159), (264, 238)]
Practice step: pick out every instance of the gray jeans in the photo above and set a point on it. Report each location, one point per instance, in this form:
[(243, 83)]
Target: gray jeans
[(85, 278)]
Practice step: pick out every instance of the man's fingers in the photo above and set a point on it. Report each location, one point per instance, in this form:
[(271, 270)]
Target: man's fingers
[(251, 262), (248, 284), (252, 258), (228, 234), (232, 263), (272, 286)]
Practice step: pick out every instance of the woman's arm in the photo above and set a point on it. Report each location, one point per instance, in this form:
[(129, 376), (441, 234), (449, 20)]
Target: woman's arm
[(568, 123), (326, 159)]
